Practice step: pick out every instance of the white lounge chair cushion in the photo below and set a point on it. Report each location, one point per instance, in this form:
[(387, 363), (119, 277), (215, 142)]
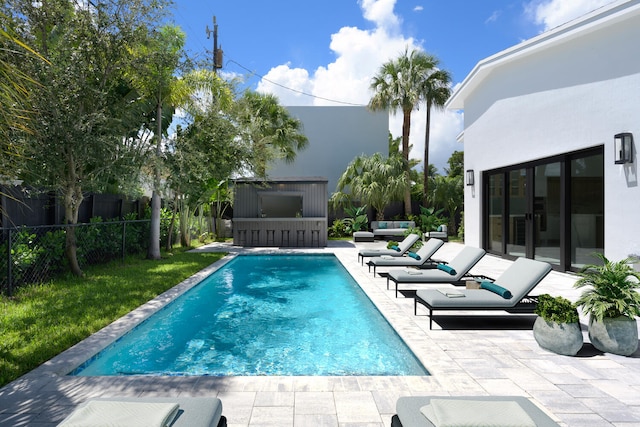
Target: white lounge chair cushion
[(477, 413), (461, 263), (404, 246), (408, 409), (99, 413), (193, 411), (425, 253)]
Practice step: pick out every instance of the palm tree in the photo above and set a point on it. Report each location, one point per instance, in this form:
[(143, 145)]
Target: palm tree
[(436, 89), (373, 180), (269, 130), (400, 85), (15, 96), (155, 80)]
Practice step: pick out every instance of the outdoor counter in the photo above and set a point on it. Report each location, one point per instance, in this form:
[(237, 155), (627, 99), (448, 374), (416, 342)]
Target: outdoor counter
[(287, 232)]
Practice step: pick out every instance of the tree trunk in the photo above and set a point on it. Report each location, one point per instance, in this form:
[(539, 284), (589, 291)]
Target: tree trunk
[(154, 234), (72, 200), (406, 129), (185, 232), (172, 223), (425, 186)]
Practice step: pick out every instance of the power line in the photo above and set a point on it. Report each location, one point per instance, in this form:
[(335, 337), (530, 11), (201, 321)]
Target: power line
[(271, 81), (294, 90)]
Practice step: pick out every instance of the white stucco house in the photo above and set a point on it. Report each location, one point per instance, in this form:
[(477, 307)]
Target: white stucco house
[(542, 125)]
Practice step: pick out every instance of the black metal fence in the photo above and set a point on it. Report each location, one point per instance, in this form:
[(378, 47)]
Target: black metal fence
[(36, 254), (27, 206)]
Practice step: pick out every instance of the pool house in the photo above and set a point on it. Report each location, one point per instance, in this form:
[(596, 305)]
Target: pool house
[(289, 212)]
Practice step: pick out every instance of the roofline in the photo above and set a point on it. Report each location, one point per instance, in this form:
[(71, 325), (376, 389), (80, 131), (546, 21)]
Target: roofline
[(602, 17)]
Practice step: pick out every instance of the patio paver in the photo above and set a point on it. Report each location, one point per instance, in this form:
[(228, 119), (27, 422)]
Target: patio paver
[(485, 353)]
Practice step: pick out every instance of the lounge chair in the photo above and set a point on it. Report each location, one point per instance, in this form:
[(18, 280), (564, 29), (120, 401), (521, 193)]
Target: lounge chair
[(422, 257), (191, 411), (459, 266), (519, 279), (408, 409), (403, 247)]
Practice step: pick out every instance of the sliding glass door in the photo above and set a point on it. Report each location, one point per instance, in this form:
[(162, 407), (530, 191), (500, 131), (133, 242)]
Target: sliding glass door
[(518, 213), (547, 212), (551, 210), (587, 209)]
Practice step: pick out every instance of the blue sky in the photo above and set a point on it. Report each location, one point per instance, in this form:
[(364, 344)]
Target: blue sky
[(332, 48)]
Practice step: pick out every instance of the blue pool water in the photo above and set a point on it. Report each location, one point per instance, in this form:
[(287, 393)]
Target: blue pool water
[(264, 315)]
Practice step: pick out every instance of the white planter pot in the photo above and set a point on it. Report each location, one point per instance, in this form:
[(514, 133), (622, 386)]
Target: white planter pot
[(560, 338), (617, 335)]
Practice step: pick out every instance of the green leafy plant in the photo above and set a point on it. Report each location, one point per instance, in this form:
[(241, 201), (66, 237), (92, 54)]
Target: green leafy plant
[(338, 229), (612, 289), (556, 309), (391, 243), (356, 219), (429, 219)]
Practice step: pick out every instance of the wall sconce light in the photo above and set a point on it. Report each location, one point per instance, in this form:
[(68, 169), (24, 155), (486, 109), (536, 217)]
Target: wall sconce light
[(470, 179), (623, 148)]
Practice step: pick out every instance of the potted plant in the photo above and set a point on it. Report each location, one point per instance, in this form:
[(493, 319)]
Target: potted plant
[(557, 328), (612, 302)]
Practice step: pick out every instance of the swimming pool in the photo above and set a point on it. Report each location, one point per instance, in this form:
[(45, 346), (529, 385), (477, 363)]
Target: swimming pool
[(264, 315)]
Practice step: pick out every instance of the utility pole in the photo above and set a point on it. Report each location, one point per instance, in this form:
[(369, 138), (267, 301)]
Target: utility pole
[(217, 52)]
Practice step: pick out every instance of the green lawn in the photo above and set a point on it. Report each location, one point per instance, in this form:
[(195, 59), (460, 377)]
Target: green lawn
[(41, 321)]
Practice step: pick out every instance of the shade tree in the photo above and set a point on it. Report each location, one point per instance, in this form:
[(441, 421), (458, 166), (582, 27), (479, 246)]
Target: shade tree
[(83, 100)]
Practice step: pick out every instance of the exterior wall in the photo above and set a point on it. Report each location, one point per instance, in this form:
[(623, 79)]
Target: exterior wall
[(314, 202), (336, 135), (569, 95)]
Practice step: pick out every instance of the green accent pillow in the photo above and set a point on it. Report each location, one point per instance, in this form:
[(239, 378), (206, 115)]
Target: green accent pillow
[(447, 269), (404, 225), (496, 289), (382, 225)]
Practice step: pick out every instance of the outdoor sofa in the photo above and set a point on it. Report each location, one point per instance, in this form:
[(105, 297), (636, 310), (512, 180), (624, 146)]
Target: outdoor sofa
[(391, 228), (509, 292), (440, 233)]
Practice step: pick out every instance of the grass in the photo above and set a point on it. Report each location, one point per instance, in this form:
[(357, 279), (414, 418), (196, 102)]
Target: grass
[(41, 321)]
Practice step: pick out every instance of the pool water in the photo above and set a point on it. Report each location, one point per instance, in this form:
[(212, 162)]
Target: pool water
[(264, 315)]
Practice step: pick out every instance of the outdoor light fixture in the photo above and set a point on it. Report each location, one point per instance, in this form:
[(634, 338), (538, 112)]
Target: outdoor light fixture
[(623, 148), (470, 179)]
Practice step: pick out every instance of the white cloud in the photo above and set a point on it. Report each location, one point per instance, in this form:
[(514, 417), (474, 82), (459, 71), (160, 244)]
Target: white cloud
[(381, 13), (418, 9), (359, 55), (493, 18), (553, 13)]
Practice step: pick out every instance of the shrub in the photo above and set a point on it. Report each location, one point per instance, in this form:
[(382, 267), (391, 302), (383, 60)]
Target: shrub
[(556, 309)]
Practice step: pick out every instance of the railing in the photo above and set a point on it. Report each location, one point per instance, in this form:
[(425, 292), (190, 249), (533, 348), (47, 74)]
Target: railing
[(36, 254)]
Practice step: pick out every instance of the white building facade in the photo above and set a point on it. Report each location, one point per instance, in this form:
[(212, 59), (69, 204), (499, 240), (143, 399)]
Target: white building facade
[(336, 136), (540, 123)]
